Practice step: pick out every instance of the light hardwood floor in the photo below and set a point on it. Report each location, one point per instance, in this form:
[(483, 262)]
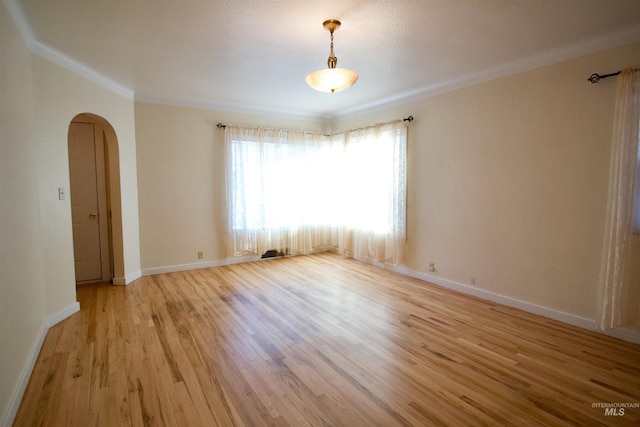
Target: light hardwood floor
[(322, 341)]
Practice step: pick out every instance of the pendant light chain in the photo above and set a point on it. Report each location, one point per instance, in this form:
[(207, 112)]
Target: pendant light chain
[(332, 61), (332, 54)]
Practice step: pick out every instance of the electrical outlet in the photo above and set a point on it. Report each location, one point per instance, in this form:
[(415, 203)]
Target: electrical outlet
[(432, 266), (200, 255), (61, 194)]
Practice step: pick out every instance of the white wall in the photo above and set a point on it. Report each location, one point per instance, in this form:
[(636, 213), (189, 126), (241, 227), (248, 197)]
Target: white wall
[(59, 96), (22, 281), (507, 187), (508, 182), (38, 99), (181, 181)]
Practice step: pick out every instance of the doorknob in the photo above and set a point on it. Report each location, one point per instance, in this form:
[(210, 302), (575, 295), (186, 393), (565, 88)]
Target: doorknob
[(93, 215)]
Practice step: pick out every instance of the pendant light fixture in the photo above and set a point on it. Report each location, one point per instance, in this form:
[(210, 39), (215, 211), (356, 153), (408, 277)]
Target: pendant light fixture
[(332, 79)]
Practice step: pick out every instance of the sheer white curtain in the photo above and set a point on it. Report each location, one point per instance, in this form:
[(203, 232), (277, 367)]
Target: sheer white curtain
[(373, 207), (277, 191), (299, 192), (614, 283)]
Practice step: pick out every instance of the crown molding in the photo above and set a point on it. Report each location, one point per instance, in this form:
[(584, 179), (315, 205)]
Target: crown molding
[(80, 69), (612, 40), (230, 107), (20, 21), (38, 48), (620, 38)]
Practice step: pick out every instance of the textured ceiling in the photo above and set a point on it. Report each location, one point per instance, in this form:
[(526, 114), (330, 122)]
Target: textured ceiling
[(252, 56)]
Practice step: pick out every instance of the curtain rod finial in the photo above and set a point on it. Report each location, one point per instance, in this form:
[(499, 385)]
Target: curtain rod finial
[(594, 78)]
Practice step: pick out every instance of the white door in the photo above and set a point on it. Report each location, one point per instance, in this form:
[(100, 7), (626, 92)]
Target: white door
[(84, 202)]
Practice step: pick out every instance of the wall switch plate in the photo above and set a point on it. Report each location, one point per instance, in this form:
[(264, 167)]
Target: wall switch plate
[(61, 193)]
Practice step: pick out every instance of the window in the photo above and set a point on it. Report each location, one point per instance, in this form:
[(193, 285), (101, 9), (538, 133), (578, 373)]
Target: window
[(281, 184), (374, 180), (302, 191)]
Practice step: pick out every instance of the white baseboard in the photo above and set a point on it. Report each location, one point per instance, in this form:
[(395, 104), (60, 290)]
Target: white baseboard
[(25, 375), (129, 278), (198, 265), (62, 314), (550, 313), (220, 262), (23, 380)]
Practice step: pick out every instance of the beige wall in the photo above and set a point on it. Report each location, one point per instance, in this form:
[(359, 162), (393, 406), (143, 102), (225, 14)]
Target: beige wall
[(59, 96), (181, 180), (507, 186), (22, 282), (508, 181), (37, 285)]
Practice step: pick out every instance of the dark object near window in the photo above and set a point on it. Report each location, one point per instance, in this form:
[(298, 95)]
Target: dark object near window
[(271, 253)]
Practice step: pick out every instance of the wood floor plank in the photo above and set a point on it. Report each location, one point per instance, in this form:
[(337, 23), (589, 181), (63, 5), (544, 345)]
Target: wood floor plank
[(319, 340)]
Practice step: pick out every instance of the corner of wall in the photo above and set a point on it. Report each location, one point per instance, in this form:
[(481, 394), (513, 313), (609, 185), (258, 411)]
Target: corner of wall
[(34, 352), (568, 318)]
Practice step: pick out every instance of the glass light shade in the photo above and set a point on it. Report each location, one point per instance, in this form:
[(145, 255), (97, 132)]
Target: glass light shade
[(332, 79)]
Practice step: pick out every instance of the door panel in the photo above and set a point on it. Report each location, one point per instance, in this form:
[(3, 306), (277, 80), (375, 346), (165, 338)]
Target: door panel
[(84, 202)]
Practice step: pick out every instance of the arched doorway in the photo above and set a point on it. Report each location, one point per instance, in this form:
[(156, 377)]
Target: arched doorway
[(94, 174)]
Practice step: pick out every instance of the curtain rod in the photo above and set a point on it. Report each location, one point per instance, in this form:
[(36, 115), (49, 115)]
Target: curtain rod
[(406, 119), (595, 77)]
